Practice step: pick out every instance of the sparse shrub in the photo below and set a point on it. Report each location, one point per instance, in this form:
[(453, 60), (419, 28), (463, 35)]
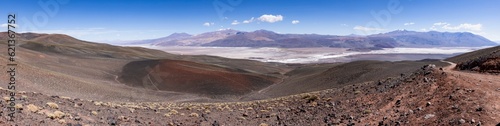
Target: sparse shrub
[(310, 97), (98, 103), (194, 115), (6, 98), (227, 107), (241, 118), (32, 108), (50, 115), (174, 111), (55, 115), (18, 106), (161, 108), (65, 97), (366, 111), (263, 124), (62, 121), (313, 104), (131, 110), (59, 114), (171, 124), (52, 105), (122, 118), (273, 114), (167, 114), (94, 113)]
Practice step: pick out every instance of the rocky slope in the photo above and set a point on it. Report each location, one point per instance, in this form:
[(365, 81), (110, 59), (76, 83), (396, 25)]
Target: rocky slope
[(485, 60), (192, 77), (61, 65), (429, 96)]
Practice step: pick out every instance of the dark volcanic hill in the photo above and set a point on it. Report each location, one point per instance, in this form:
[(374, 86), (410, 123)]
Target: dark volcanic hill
[(192, 77), (484, 60), (264, 38)]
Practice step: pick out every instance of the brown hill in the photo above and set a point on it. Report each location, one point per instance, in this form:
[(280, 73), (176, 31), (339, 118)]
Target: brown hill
[(484, 60), (316, 77), (62, 65), (192, 77)]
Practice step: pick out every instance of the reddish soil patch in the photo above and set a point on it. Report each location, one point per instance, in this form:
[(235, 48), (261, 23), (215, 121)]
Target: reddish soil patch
[(191, 77)]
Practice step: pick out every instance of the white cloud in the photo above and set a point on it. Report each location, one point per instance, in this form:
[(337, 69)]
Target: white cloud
[(295, 21), (6, 25), (367, 29), (344, 25), (235, 22), (465, 26), (208, 24), (222, 29), (409, 23), (441, 23), (443, 26), (270, 18), (248, 21)]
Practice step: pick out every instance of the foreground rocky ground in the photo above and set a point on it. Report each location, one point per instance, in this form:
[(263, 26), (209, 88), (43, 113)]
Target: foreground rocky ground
[(429, 96)]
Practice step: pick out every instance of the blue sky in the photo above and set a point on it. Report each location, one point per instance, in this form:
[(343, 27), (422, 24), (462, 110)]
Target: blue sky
[(105, 20)]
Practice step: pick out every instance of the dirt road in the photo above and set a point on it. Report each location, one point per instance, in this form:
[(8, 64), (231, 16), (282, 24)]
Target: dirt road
[(485, 83)]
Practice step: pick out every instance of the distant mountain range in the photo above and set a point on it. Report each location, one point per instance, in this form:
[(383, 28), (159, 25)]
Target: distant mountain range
[(264, 38)]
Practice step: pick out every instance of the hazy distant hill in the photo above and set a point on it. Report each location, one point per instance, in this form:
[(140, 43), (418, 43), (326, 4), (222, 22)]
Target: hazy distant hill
[(433, 38), (165, 40), (264, 38), (200, 39)]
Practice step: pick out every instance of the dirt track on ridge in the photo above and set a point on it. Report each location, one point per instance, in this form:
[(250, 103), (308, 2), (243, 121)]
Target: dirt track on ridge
[(487, 83)]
